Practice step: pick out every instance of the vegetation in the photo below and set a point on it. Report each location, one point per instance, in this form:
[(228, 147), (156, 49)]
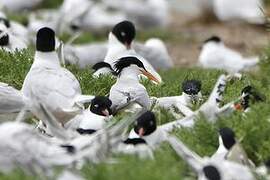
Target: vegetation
[(252, 128)]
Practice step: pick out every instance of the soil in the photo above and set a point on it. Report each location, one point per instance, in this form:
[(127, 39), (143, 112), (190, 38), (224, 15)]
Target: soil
[(190, 32)]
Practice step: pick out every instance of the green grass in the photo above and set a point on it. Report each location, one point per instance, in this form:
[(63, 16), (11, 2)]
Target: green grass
[(253, 128)]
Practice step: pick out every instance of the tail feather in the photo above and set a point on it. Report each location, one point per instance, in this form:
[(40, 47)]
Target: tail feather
[(250, 62)]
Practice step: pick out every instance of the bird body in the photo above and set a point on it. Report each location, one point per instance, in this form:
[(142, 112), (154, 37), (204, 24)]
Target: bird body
[(19, 5), (250, 11), (215, 54), (208, 168), (153, 140), (55, 86), (117, 50), (128, 87), (153, 50)]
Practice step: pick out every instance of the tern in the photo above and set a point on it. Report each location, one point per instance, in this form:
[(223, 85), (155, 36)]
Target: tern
[(127, 86), (8, 41), (154, 50), (210, 169), (190, 95), (93, 118), (119, 46), (250, 11), (23, 147), (230, 149), (54, 85), (215, 54)]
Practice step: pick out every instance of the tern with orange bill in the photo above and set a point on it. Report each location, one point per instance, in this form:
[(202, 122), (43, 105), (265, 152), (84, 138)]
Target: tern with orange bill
[(128, 86)]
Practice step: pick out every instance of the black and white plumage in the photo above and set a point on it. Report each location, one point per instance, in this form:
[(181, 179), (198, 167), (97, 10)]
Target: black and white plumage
[(146, 128), (191, 93), (55, 86), (102, 68), (209, 169), (214, 54), (230, 149), (145, 137), (23, 147), (249, 95), (210, 109), (120, 45), (8, 40), (92, 119), (127, 87)]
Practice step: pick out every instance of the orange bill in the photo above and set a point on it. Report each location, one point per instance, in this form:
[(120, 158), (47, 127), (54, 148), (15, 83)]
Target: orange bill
[(150, 76)]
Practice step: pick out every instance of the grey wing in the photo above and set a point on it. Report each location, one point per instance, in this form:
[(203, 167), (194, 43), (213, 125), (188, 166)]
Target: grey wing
[(79, 54), (56, 89), (194, 160), (158, 59), (184, 122), (11, 99)]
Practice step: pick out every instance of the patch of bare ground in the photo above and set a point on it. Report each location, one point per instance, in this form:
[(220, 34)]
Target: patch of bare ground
[(189, 34)]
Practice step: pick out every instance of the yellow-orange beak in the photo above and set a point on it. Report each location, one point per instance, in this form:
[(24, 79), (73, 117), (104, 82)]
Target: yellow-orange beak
[(150, 76), (238, 107)]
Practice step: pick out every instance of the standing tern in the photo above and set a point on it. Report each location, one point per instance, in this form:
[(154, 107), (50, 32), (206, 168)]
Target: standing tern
[(119, 46), (127, 86), (55, 86), (215, 54)]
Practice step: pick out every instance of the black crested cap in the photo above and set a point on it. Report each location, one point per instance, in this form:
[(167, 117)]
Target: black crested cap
[(5, 21), (211, 173), (191, 87), (100, 103), (100, 65), (250, 94), (125, 32), (147, 121), (45, 41), (212, 39), (4, 40), (228, 137), (251, 91), (125, 62)]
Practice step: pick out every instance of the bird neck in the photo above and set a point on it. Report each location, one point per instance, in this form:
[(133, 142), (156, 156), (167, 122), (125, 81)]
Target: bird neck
[(187, 99), (46, 59), (129, 74), (115, 48)]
